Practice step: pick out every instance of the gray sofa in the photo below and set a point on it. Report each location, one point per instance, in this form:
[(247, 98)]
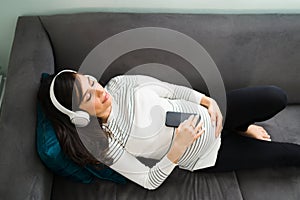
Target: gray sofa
[(260, 49)]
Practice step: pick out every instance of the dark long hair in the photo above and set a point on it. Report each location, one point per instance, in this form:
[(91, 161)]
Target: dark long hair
[(66, 131)]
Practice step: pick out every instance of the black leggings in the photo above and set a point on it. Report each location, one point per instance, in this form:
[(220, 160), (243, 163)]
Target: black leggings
[(244, 107)]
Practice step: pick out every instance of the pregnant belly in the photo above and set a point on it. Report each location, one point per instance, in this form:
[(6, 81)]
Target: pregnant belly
[(204, 143)]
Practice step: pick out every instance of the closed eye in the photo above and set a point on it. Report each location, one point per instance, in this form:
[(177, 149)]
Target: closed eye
[(88, 94), (91, 82)]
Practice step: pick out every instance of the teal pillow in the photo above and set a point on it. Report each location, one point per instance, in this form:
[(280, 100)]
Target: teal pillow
[(51, 154)]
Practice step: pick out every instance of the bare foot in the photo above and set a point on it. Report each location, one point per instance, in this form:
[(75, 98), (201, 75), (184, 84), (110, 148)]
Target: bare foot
[(257, 132)]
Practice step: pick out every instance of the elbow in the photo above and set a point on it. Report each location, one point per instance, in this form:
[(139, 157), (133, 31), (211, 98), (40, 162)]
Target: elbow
[(151, 186)]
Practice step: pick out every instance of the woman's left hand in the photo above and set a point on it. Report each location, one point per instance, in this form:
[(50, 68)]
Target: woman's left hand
[(214, 112)]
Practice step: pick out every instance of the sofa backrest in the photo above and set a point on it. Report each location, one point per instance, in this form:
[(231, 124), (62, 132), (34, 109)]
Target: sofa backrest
[(248, 49)]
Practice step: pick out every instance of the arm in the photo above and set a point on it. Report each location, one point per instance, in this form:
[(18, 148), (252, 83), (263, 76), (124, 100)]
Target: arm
[(149, 178)]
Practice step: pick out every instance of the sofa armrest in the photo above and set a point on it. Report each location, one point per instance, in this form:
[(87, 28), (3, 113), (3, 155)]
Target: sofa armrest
[(22, 174)]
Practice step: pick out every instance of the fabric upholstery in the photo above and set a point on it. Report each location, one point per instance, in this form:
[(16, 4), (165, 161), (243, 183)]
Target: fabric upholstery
[(248, 49), (244, 47), (285, 183), (22, 175), (51, 154), (180, 184)]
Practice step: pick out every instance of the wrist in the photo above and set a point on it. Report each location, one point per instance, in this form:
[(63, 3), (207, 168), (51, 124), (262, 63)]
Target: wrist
[(205, 101), (175, 152)]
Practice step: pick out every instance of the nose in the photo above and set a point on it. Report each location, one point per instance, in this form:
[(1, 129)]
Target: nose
[(99, 91)]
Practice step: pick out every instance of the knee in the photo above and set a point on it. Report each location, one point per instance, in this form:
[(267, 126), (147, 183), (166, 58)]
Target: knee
[(277, 97)]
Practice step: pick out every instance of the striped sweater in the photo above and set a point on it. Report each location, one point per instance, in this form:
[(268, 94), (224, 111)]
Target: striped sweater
[(137, 121)]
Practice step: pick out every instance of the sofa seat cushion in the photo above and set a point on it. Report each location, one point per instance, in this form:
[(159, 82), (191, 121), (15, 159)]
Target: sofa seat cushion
[(181, 184), (274, 183)]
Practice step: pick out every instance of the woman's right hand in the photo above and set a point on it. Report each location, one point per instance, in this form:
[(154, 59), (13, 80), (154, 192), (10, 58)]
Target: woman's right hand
[(186, 133)]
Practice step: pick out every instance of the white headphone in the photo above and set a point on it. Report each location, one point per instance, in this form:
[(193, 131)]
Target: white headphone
[(79, 118)]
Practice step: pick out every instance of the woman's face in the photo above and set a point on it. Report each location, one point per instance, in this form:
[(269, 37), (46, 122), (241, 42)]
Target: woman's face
[(95, 100)]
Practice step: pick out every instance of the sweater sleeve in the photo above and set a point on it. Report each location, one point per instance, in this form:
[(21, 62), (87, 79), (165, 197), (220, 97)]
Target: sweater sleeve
[(149, 178), (169, 90)]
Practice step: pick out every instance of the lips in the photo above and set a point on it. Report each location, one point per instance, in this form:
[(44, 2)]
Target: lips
[(105, 97)]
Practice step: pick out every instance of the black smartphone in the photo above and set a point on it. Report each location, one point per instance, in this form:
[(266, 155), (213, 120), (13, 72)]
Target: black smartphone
[(173, 119)]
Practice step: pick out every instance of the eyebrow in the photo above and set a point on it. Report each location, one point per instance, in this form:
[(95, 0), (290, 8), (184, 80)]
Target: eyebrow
[(78, 90)]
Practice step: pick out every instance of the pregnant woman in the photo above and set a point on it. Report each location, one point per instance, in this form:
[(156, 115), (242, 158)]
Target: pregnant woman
[(131, 111)]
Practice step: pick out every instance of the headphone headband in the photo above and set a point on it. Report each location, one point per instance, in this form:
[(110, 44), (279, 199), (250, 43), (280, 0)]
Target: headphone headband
[(79, 118)]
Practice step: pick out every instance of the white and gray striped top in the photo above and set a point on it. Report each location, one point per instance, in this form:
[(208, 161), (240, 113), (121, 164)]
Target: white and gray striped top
[(137, 121)]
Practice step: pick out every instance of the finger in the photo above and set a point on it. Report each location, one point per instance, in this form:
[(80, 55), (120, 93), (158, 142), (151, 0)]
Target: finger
[(213, 119), (218, 126), (221, 127), (216, 132), (177, 130), (190, 119), (199, 126), (199, 134), (195, 119), (219, 131)]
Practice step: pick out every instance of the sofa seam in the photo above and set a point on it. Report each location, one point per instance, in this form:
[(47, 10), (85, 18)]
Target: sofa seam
[(50, 40), (238, 182)]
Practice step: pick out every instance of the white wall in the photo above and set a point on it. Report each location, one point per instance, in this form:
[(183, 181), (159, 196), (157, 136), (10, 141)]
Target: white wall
[(11, 9)]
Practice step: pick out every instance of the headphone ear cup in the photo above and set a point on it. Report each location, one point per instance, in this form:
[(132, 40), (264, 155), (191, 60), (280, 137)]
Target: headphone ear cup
[(81, 119)]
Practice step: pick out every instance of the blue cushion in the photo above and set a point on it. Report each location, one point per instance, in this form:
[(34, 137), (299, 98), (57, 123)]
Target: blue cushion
[(51, 154)]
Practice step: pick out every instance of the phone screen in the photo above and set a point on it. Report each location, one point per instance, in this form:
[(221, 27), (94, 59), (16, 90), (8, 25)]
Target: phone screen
[(173, 119)]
